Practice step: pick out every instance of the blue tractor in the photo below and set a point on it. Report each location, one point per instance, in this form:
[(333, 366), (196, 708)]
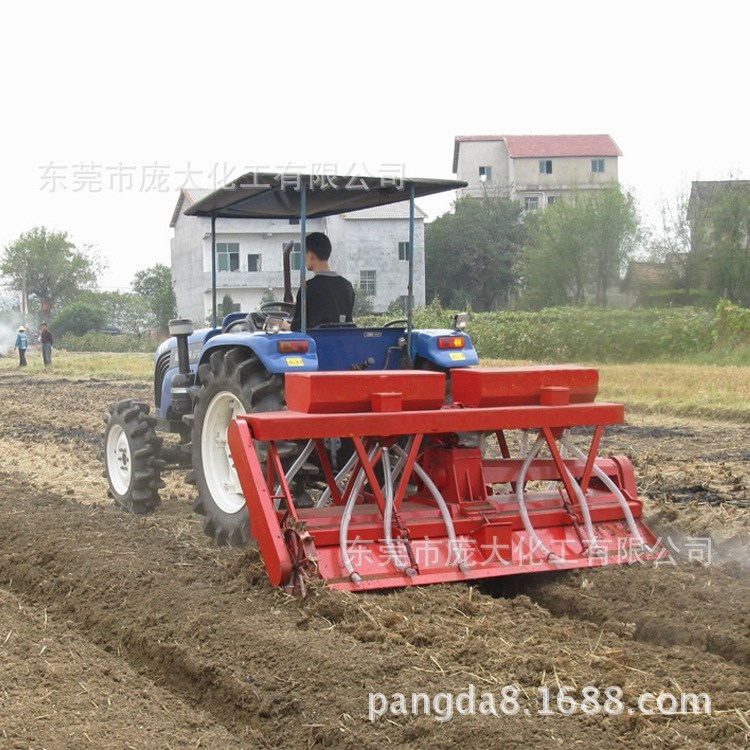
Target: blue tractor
[(204, 378)]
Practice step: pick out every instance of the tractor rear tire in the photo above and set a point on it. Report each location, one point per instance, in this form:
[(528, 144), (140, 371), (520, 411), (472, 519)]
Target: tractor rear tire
[(234, 381), (132, 457)]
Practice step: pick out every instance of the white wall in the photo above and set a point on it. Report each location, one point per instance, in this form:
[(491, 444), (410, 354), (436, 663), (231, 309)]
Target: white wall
[(358, 244), (475, 154), (187, 266), (372, 244), (521, 177)]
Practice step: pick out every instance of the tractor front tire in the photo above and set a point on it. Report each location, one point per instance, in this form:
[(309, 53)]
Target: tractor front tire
[(132, 457), (233, 382)]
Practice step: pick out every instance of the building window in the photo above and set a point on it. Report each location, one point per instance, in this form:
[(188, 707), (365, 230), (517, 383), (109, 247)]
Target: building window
[(485, 174), (227, 256), (551, 199), (254, 262), (295, 257), (531, 203), (403, 251), (545, 166), (597, 165), (294, 221), (367, 282)]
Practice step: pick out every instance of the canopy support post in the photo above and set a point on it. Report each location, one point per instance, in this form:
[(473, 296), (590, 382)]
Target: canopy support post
[(410, 286), (213, 270), (302, 256)]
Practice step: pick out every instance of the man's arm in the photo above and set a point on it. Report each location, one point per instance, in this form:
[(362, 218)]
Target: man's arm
[(295, 324)]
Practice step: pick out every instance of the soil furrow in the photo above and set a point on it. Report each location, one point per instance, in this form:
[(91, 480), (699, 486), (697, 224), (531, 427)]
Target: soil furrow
[(214, 633), (644, 600), (65, 688)]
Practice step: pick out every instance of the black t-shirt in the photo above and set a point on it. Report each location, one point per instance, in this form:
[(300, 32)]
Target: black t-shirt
[(329, 296)]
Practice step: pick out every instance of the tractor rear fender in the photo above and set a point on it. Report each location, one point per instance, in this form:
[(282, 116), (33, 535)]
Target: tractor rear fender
[(286, 351), (444, 348)]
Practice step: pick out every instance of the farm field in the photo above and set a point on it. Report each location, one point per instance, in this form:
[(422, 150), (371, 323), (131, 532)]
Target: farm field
[(127, 632)]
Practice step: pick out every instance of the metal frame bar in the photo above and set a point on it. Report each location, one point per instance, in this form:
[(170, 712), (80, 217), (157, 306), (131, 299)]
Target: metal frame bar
[(302, 264), (213, 270), (288, 425), (410, 283)]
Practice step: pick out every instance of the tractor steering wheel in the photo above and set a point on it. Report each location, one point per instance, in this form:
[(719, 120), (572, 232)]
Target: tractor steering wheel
[(275, 309)]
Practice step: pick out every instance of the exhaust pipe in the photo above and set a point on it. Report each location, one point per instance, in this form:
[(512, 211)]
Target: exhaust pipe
[(181, 329)]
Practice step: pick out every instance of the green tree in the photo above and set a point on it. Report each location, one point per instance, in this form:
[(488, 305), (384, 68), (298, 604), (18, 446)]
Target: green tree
[(555, 261), (472, 254), (612, 216), (669, 244), (729, 260), (579, 248), (124, 310), (48, 267), (227, 305), (155, 285), (78, 318), (362, 303)]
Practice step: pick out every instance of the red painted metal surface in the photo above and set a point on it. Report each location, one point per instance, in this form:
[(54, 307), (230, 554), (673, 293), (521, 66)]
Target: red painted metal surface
[(345, 392), (420, 503), (281, 425), (514, 386)]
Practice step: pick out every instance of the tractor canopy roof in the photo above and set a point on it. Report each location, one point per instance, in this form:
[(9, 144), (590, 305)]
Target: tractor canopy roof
[(267, 195)]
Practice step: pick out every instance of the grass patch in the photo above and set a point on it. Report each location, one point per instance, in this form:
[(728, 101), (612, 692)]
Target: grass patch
[(709, 391), (107, 365)]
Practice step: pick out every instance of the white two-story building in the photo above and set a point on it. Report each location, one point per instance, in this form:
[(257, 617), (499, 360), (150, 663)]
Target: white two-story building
[(536, 170), (370, 248)]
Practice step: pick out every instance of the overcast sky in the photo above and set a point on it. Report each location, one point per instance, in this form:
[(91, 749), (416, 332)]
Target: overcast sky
[(109, 108)]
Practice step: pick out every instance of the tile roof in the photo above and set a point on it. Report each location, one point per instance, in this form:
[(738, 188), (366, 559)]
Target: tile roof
[(533, 146)]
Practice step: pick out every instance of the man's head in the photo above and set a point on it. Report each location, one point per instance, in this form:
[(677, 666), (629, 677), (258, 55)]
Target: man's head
[(320, 246), (21, 329), (44, 326)]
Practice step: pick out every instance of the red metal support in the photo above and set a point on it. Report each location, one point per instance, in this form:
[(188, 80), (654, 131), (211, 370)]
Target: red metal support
[(264, 521)]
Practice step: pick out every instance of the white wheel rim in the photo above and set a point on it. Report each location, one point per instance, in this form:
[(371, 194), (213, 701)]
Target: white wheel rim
[(119, 460), (218, 465)]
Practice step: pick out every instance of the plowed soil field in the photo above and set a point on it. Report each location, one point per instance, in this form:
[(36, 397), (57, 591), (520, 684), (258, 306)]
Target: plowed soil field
[(127, 632)]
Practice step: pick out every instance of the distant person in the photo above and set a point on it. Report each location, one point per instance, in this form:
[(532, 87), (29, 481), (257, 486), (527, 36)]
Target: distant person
[(22, 343), (330, 297), (46, 338)]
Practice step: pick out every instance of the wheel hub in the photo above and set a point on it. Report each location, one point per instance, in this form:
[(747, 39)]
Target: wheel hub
[(120, 460), (218, 464)]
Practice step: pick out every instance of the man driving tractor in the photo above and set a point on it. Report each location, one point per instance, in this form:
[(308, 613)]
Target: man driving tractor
[(330, 297)]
